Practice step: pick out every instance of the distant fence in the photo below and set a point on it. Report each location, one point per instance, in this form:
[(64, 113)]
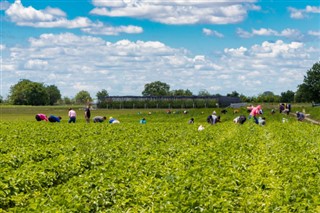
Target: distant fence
[(127, 102)]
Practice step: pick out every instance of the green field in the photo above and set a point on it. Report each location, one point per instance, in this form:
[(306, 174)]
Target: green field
[(166, 165)]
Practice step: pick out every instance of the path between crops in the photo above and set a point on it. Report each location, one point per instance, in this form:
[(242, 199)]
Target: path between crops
[(308, 119)]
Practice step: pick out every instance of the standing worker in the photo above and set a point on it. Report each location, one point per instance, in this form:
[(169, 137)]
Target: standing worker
[(72, 115), (87, 113)]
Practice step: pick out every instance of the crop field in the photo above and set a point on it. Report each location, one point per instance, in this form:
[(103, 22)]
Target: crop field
[(166, 165)]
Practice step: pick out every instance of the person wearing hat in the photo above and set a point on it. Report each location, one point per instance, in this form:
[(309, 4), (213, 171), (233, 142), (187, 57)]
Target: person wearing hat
[(113, 121)]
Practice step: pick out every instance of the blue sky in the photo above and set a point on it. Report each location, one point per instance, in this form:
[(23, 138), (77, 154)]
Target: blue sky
[(220, 46)]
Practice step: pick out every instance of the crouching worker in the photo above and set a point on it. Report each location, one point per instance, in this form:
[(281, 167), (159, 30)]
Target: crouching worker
[(41, 117), (53, 118), (240, 119), (113, 121), (99, 119), (143, 121), (300, 116), (262, 121), (213, 119)]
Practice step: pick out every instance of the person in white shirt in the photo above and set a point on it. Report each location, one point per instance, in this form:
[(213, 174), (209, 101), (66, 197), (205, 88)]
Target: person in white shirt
[(72, 116)]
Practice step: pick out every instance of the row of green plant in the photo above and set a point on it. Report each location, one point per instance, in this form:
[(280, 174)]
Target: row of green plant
[(163, 166)]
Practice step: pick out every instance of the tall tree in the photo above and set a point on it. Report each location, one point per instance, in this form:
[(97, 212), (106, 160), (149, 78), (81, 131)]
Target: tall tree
[(101, 95), (287, 97), (181, 92), (83, 97), (310, 88), (26, 92), (156, 88), (233, 94), (203, 92), (54, 94)]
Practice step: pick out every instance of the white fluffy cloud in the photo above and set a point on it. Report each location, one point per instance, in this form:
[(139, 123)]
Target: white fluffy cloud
[(288, 33), (74, 62), (209, 32), (314, 33), (100, 29), (177, 11), (302, 13), (54, 18)]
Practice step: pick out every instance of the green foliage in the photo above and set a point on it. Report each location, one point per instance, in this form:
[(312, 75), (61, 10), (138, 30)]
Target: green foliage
[(156, 88), (203, 93), (234, 94), (54, 94), (26, 92), (83, 97), (101, 95), (287, 97), (309, 90), (181, 92), (163, 166)]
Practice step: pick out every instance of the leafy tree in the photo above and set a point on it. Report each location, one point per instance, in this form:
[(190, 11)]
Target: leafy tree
[(181, 92), (54, 94), (67, 100), (309, 90), (203, 92), (26, 92), (267, 97), (83, 97), (233, 94), (287, 97), (101, 95), (1, 99), (156, 88)]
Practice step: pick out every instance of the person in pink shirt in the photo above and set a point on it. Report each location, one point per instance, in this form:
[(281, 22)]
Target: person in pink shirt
[(254, 112), (41, 117), (72, 116)]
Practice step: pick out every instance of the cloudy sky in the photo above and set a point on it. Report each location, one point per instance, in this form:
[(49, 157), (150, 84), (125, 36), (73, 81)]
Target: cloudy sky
[(247, 46)]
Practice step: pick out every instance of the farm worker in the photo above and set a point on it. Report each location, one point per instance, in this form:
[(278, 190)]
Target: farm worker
[(300, 116), (72, 115), (99, 119), (213, 119), (191, 121), (254, 112), (113, 121), (53, 118), (240, 119), (87, 113), (262, 121), (41, 117), (143, 121)]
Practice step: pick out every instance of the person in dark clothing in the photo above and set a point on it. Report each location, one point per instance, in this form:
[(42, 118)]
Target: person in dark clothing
[(87, 114), (53, 118), (99, 119)]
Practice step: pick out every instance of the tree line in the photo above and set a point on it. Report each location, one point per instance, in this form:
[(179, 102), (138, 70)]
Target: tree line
[(27, 92)]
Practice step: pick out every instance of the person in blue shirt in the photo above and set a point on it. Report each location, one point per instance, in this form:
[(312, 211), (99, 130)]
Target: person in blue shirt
[(113, 121), (53, 118), (143, 121)]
